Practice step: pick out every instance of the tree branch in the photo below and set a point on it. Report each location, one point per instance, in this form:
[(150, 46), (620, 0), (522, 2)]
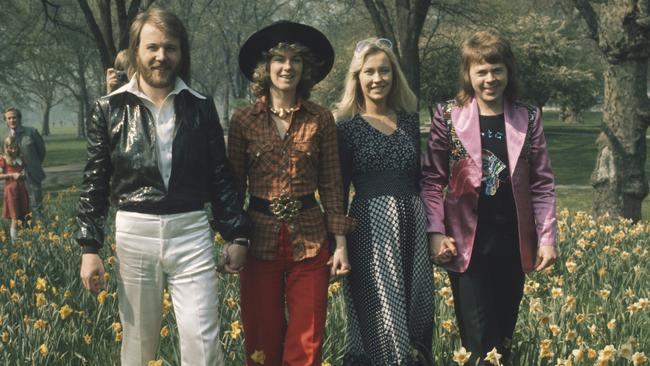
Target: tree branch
[(97, 34), (589, 15)]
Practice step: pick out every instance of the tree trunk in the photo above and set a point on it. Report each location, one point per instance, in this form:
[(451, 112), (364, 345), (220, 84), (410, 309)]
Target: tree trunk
[(411, 66), (81, 118), (569, 115), (226, 107), (619, 177), (46, 119)]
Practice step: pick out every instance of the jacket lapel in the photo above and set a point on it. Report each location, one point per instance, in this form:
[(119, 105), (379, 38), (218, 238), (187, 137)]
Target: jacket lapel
[(468, 130), (516, 121)]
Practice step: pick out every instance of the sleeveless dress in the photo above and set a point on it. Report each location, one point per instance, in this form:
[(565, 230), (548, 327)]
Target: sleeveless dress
[(389, 291), (16, 200)]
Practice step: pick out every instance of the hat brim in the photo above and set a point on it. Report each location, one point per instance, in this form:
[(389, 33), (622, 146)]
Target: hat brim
[(252, 51)]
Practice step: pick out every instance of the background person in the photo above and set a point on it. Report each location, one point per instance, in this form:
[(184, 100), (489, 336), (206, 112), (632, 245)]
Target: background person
[(283, 148), (118, 75), (32, 148), (16, 198), (497, 219), (389, 292)]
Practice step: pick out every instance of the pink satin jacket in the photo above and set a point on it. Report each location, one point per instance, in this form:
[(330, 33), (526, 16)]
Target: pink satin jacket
[(453, 160)]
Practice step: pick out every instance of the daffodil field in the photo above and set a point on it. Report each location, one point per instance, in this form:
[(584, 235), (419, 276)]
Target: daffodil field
[(591, 308)]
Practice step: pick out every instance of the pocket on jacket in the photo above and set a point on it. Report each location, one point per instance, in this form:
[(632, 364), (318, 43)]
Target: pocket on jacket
[(261, 157), (306, 157)]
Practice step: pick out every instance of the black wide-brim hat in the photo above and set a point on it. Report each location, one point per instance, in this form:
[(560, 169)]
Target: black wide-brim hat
[(251, 53)]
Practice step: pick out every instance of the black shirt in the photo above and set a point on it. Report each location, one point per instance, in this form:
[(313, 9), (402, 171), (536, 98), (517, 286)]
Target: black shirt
[(497, 219)]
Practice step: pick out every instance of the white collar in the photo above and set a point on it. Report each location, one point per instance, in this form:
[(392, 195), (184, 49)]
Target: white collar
[(132, 87)]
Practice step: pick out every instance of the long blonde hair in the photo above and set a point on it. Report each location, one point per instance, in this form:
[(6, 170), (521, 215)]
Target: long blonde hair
[(400, 98), (11, 141)]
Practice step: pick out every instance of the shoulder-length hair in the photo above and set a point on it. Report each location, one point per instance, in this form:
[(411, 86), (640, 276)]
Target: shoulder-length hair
[(490, 47), (400, 98), (261, 80), (168, 23), (8, 142)]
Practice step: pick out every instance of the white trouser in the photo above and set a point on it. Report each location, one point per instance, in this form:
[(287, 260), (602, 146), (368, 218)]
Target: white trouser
[(177, 250)]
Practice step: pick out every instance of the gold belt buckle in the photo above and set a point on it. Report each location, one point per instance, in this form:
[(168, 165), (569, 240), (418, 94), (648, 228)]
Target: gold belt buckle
[(285, 207)]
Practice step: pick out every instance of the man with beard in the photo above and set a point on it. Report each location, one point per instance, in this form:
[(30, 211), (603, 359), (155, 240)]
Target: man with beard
[(156, 149)]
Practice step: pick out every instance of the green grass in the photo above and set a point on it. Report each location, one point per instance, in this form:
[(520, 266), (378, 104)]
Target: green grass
[(571, 148)]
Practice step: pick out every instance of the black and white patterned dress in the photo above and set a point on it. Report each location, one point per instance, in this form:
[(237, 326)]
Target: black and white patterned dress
[(389, 292)]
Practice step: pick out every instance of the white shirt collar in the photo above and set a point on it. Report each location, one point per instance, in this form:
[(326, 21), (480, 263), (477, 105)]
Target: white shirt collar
[(132, 87)]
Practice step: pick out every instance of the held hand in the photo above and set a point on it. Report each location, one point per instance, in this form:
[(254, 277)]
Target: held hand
[(338, 262), (442, 248), (92, 272), (16, 175), (232, 259), (236, 257), (546, 256)]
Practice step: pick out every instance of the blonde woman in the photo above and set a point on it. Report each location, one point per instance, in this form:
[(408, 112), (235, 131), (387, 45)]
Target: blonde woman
[(389, 292)]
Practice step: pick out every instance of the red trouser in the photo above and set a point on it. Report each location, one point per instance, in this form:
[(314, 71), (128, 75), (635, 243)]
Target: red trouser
[(266, 287)]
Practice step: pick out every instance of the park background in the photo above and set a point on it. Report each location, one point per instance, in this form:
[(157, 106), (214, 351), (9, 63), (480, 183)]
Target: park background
[(584, 63)]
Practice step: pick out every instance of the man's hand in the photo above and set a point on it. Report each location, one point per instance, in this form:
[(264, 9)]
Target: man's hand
[(338, 262), (92, 272), (442, 248), (233, 258), (546, 256), (111, 80)]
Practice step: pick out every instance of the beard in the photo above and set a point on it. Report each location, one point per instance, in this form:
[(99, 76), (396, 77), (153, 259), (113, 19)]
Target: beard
[(158, 74)]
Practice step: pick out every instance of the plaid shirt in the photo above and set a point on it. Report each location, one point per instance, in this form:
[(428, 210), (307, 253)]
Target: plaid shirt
[(304, 161)]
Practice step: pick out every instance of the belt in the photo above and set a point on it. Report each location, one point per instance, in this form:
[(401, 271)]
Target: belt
[(283, 207)]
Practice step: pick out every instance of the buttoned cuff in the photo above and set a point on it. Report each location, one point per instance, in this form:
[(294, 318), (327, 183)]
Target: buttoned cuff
[(340, 224)]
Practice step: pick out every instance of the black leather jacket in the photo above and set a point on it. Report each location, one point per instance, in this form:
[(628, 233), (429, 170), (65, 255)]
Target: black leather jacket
[(122, 165)]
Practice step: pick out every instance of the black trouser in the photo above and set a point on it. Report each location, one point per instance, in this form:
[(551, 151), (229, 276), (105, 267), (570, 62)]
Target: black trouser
[(486, 301)]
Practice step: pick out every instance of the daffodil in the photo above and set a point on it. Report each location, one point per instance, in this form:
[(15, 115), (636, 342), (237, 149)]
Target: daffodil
[(101, 297), (117, 327), (41, 284), (493, 357), (639, 358), (235, 329), (40, 324), (40, 299), (164, 332), (578, 354), (65, 312), (611, 325), (608, 352), (43, 350), (461, 356), (258, 357)]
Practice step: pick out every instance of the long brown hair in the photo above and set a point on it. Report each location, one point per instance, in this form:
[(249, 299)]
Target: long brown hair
[(491, 47), (171, 25)]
